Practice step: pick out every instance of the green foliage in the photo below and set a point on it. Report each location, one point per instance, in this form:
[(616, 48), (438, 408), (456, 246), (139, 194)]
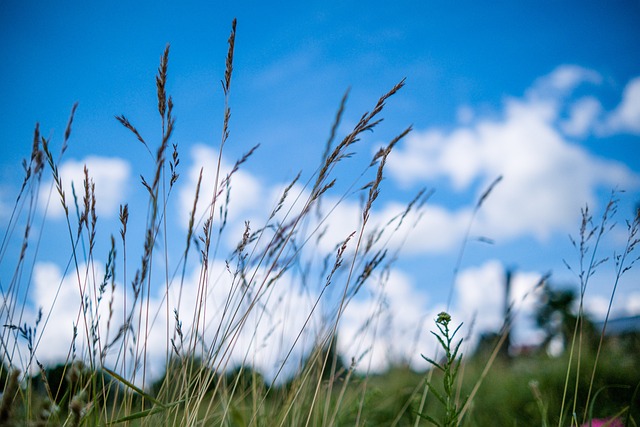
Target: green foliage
[(529, 389), (450, 368)]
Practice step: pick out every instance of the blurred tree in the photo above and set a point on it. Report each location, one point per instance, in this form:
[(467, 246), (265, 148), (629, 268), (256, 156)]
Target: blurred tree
[(245, 379), (506, 328), (334, 369), (556, 316), (486, 345)]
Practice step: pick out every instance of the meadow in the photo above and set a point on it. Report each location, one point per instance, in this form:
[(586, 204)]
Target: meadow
[(108, 378)]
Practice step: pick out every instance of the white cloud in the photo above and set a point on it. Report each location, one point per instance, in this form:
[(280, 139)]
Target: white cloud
[(268, 330), (562, 81), (422, 157), (626, 117), (582, 117), (111, 178), (260, 326), (596, 306), (433, 229), (387, 324), (246, 193), (480, 293), (254, 201), (59, 299), (632, 304), (546, 178), (626, 300)]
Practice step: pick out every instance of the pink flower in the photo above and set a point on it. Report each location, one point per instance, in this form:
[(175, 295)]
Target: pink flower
[(601, 422)]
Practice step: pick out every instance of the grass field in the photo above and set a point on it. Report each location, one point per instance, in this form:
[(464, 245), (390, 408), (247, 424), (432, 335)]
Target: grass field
[(108, 378)]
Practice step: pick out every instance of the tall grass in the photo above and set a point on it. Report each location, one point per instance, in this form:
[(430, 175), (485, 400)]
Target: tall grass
[(107, 367), (107, 377)]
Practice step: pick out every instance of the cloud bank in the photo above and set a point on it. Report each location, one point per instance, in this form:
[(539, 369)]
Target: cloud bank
[(111, 176), (547, 176)]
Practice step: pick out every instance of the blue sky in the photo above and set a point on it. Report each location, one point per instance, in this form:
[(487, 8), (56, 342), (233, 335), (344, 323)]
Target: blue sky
[(545, 94)]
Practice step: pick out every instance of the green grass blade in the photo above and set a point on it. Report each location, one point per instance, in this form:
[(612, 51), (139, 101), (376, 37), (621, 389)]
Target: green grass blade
[(428, 418), (135, 388), (433, 362)]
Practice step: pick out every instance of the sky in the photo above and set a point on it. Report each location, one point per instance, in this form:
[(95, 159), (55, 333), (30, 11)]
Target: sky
[(544, 94)]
